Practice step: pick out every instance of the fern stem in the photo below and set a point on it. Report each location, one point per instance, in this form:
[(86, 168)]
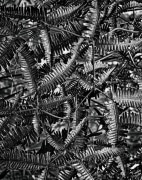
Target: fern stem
[(84, 99), (130, 23), (53, 115), (121, 29), (59, 29), (133, 60), (103, 58), (104, 94)]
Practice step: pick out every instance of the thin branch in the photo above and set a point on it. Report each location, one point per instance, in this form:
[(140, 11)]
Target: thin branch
[(61, 30), (121, 29), (50, 114), (130, 23), (84, 99), (104, 94)]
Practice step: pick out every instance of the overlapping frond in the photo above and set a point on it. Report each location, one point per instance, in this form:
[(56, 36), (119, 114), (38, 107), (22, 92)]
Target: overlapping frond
[(60, 72)]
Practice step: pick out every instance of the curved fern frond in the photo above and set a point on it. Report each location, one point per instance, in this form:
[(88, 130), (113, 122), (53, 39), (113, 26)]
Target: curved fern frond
[(130, 118), (80, 167), (60, 73), (16, 159), (128, 6), (44, 3), (62, 14)]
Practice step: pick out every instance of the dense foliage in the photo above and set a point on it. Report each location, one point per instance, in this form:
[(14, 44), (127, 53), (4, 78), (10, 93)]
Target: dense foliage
[(70, 90)]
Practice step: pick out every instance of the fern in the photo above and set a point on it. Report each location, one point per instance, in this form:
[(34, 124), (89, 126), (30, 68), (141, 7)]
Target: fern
[(82, 170), (46, 45), (60, 72), (127, 98), (58, 16), (73, 133), (130, 118), (27, 62), (91, 153), (113, 123), (92, 17), (19, 160)]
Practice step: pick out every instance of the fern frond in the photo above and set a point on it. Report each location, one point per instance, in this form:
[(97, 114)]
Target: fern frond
[(27, 66), (99, 64), (7, 50), (80, 167), (52, 142), (62, 14), (108, 43), (8, 27), (111, 8), (121, 166), (61, 40), (14, 136), (24, 12), (73, 133), (51, 103), (60, 73), (5, 107), (44, 3), (128, 98), (46, 44), (92, 18), (65, 174), (112, 117), (127, 6), (130, 118), (62, 159), (92, 153), (7, 122), (104, 76), (85, 81), (36, 123), (43, 175), (16, 159)]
